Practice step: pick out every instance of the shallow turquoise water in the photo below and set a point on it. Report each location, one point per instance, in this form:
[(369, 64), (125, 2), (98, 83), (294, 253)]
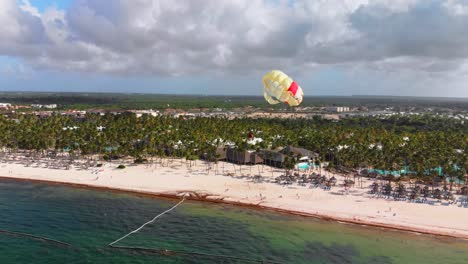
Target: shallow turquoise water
[(89, 220)]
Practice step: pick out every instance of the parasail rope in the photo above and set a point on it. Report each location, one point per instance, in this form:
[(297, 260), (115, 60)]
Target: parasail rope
[(149, 222)]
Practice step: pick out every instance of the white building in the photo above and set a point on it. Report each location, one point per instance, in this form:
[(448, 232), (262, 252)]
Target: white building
[(5, 105), (337, 109), (49, 106), (140, 113)]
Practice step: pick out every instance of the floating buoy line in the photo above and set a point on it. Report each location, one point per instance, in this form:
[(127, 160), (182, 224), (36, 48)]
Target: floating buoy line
[(35, 237), (152, 250)]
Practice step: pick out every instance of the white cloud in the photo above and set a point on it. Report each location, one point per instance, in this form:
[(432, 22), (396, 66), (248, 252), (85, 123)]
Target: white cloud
[(457, 7), (28, 8), (182, 37)]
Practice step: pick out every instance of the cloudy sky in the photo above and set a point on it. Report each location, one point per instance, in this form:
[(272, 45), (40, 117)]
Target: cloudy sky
[(331, 47)]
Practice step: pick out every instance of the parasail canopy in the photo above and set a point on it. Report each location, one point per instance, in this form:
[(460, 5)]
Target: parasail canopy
[(279, 87)]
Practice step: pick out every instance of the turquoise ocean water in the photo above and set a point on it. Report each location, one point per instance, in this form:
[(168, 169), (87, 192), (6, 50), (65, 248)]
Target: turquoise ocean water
[(89, 220)]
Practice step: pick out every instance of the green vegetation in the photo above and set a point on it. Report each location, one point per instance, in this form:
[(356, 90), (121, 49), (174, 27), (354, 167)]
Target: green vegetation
[(121, 166), (163, 101), (417, 143)]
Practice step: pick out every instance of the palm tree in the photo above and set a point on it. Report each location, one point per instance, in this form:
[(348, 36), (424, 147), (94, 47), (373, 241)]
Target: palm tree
[(289, 163)]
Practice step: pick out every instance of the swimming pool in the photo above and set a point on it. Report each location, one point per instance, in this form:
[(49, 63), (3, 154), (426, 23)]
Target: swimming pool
[(303, 166)]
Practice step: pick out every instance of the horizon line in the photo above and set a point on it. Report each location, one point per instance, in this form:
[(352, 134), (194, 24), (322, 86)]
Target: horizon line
[(229, 95)]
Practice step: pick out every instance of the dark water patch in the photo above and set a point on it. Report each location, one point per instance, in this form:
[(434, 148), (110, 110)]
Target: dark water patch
[(207, 235), (336, 253), (378, 260), (340, 254)]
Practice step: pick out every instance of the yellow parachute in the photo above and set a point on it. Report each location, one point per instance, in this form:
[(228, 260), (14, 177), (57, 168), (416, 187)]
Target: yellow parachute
[(278, 87)]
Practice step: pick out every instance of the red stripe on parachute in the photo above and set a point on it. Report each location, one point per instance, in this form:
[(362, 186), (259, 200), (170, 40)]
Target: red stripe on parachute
[(293, 88)]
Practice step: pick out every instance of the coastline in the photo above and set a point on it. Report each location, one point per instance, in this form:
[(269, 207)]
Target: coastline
[(449, 222), (245, 205)]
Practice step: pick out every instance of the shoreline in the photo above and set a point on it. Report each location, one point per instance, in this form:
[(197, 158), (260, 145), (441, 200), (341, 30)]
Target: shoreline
[(205, 197)]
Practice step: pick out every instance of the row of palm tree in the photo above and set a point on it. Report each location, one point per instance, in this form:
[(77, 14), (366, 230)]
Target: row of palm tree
[(351, 144)]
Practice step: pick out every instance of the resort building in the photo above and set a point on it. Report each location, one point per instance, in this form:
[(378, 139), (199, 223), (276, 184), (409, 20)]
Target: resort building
[(243, 157), (277, 158), (48, 106), (337, 109), (220, 154), (140, 113), (300, 152)]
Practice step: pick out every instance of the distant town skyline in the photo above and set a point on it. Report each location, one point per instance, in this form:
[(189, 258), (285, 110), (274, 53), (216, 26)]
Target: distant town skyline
[(334, 47)]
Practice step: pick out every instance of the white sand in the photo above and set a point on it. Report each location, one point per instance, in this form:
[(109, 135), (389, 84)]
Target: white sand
[(177, 178)]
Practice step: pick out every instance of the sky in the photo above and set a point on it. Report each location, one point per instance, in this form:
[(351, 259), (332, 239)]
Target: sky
[(330, 47)]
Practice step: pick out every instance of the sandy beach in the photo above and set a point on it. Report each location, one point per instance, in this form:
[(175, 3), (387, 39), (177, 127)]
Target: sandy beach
[(225, 182)]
